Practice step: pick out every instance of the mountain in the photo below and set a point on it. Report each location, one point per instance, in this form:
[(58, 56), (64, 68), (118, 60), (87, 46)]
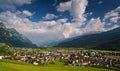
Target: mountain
[(12, 37), (109, 40)]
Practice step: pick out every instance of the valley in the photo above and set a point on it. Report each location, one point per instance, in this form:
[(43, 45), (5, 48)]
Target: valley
[(58, 59)]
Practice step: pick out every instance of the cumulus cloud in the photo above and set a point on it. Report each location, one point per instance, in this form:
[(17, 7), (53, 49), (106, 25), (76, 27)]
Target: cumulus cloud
[(76, 9), (64, 6), (23, 24), (64, 20), (13, 20), (114, 19), (113, 16), (11, 4), (69, 30), (49, 16), (95, 25), (111, 19), (27, 13)]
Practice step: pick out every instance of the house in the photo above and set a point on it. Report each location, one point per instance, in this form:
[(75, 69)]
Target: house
[(1, 57), (35, 63), (85, 63)]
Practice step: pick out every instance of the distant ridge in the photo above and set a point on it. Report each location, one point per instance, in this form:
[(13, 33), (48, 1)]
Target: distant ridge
[(109, 40)]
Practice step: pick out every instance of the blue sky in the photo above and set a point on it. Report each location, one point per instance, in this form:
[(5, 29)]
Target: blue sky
[(41, 7), (47, 21)]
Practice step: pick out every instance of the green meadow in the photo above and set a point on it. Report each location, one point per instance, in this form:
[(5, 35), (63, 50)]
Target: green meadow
[(9, 65)]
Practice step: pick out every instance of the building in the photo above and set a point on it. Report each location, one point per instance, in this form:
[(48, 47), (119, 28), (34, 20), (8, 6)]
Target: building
[(1, 57)]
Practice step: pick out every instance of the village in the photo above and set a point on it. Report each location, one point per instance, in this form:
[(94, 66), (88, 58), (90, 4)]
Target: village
[(71, 58)]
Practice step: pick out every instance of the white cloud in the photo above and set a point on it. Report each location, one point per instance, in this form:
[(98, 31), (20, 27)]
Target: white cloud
[(49, 16), (76, 9), (27, 13), (11, 4), (62, 20), (113, 16), (95, 25), (114, 19), (111, 19), (69, 30), (64, 6)]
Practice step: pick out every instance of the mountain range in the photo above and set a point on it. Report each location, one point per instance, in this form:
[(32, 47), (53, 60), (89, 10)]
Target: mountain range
[(109, 40), (14, 38)]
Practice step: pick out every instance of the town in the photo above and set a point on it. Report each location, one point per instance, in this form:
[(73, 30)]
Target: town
[(70, 57)]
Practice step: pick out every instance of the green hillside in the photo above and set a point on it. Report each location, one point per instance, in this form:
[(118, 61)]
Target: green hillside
[(7, 65), (109, 40)]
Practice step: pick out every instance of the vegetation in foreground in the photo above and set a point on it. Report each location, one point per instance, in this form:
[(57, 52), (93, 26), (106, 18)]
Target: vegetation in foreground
[(9, 65)]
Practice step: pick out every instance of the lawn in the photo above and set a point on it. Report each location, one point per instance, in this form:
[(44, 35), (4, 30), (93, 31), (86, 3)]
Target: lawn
[(7, 65)]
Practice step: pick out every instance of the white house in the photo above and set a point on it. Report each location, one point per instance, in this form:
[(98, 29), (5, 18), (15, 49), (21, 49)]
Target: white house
[(1, 57), (35, 63), (85, 63)]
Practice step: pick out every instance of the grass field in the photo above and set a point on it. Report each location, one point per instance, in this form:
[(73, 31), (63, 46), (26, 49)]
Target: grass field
[(8, 65)]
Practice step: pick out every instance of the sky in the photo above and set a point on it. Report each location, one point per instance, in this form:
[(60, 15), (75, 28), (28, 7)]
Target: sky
[(48, 21)]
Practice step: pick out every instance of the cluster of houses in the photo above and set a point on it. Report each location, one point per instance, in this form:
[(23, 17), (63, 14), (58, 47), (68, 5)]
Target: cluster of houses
[(79, 58), (91, 58)]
